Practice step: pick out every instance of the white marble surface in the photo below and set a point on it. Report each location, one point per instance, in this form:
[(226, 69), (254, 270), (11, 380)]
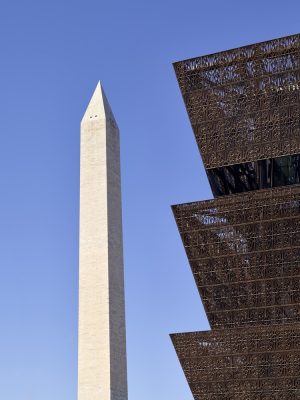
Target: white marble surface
[(102, 346)]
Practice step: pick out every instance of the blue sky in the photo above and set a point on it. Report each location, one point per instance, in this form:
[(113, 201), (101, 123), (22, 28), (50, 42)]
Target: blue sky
[(52, 55)]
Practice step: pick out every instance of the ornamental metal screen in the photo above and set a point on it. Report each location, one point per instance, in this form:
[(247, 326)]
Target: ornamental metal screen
[(244, 246), (250, 94), (244, 252), (253, 364)]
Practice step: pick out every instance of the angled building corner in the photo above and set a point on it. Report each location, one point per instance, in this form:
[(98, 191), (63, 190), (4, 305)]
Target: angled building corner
[(101, 336), (244, 245)]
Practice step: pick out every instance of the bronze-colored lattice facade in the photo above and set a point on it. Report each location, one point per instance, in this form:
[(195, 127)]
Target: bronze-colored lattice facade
[(244, 245), (244, 104), (255, 363)]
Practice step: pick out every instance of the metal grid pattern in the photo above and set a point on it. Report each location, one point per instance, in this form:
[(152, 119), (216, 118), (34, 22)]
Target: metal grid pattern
[(244, 252), (249, 364), (244, 104)]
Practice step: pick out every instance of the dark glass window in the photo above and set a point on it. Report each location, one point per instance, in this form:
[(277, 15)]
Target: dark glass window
[(261, 174)]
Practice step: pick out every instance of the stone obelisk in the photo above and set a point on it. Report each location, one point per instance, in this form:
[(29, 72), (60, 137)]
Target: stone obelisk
[(102, 347)]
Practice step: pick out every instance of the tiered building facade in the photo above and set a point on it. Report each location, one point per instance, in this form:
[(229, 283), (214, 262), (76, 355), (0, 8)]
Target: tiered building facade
[(244, 245)]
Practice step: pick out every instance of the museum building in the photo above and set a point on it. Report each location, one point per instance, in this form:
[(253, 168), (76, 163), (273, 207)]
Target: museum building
[(244, 245)]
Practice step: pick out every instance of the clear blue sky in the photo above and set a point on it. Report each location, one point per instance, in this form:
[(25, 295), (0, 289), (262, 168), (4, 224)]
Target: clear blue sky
[(52, 55)]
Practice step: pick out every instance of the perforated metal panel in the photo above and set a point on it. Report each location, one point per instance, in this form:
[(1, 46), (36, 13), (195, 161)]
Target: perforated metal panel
[(237, 364), (244, 251), (250, 94)]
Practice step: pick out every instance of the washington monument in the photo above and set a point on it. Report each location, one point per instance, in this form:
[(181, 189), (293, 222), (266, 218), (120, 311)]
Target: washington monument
[(102, 371)]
